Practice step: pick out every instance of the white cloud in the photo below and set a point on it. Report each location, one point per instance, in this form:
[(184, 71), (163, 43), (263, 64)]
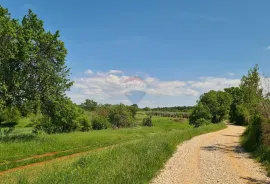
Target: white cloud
[(268, 48), (210, 83), (88, 72), (110, 87), (231, 74), (115, 72)]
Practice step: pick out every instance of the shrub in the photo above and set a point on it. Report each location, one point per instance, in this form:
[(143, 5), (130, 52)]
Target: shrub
[(147, 121), (252, 135), (10, 115), (202, 121), (120, 116), (99, 123), (63, 116), (84, 123), (35, 118), (241, 115), (200, 115)]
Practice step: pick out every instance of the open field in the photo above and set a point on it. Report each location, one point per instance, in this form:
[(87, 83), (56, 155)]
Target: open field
[(130, 155)]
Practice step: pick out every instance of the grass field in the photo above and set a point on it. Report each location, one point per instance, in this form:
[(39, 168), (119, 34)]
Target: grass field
[(130, 155)]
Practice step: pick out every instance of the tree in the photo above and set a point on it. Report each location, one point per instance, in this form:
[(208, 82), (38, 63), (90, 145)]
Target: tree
[(251, 90), (89, 105), (218, 103), (238, 113), (32, 63), (33, 74), (200, 115), (120, 116)]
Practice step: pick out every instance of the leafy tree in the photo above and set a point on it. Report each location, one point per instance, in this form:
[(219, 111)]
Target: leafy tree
[(251, 90), (120, 116), (64, 116), (100, 122), (146, 109), (134, 109), (218, 103), (33, 74), (237, 110), (32, 62), (200, 115), (89, 105), (147, 121)]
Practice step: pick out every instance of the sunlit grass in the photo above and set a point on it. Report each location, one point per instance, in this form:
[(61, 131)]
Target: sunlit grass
[(134, 162)]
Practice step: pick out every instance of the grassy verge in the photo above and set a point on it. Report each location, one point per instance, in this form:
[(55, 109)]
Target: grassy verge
[(18, 150), (135, 162), (255, 140)]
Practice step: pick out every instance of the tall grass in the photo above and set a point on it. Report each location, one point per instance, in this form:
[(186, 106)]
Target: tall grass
[(135, 162), (256, 139), (23, 146)]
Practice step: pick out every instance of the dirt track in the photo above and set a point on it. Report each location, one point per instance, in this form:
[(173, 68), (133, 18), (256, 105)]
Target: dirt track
[(212, 158)]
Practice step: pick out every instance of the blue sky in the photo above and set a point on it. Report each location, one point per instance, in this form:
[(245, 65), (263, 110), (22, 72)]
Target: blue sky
[(183, 48)]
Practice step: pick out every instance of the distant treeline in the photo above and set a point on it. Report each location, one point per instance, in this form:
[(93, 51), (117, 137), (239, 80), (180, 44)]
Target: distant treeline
[(174, 109), (168, 114)]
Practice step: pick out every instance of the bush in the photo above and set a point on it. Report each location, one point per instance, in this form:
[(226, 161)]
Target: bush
[(252, 135), (10, 115), (120, 116), (84, 123), (200, 115), (35, 118), (63, 116), (99, 123), (202, 121), (241, 116), (147, 122)]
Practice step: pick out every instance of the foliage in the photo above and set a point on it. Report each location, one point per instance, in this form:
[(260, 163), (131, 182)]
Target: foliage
[(121, 116), (63, 116), (255, 105), (10, 115), (83, 122), (174, 109), (147, 121), (218, 103), (89, 105), (251, 90), (168, 114), (133, 109), (100, 122), (146, 109), (200, 115), (33, 74), (236, 114)]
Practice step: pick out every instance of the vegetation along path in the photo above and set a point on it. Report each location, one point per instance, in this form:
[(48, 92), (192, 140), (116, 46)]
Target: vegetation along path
[(213, 158)]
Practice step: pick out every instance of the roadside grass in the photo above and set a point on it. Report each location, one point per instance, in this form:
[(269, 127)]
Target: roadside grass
[(17, 150), (134, 162)]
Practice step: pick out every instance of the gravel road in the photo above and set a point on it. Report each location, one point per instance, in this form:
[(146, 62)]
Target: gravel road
[(214, 158)]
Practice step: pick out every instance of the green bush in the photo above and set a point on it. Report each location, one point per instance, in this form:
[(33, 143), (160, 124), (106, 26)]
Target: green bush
[(202, 121), (252, 135), (147, 122), (241, 116), (121, 116), (10, 115), (35, 118), (100, 122), (84, 123), (63, 116), (200, 115)]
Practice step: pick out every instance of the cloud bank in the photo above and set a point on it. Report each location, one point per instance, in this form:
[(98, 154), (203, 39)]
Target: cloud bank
[(110, 87)]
